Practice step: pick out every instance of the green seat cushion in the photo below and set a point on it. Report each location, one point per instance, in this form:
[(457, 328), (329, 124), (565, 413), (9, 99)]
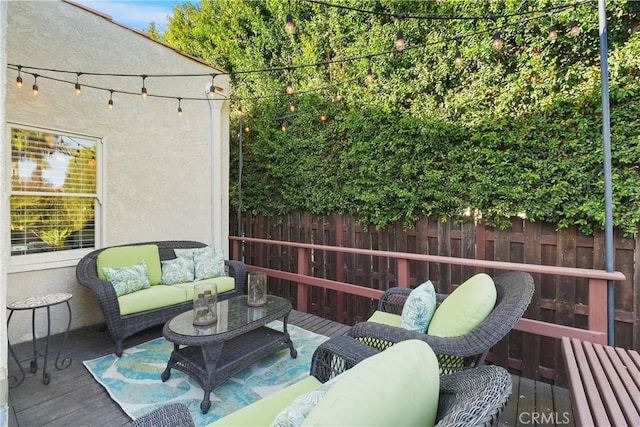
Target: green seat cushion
[(396, 387), (122, 256), (465, 308), (263, 411), (224, 284), (385, 318), (151, 298)]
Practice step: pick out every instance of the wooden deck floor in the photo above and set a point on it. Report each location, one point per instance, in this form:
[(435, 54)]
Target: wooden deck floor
[(74, 398)]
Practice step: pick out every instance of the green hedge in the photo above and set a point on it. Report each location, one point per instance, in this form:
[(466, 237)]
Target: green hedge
[(515, 131)]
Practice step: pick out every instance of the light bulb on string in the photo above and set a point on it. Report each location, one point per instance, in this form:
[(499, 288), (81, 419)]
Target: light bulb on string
[(212, 89), (179, 107), (143, 91), (457, 61), (553, 32), (34, 88), (289, 27), (369, 78), (247, 129), (400, 42), (575, 28), (19, 82), (283, 128), (78, 88), (289, 88), (323, 117), (292, 107), (110, 102), (497, 41), (338, 96)]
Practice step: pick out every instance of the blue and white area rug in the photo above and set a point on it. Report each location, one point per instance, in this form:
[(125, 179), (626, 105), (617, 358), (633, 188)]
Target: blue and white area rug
[(133, 380)]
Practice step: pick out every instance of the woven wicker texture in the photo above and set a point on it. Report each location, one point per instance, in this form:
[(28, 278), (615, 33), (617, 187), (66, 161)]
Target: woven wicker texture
[(514, 289), (474, 397), (121, 327), (170, 415)]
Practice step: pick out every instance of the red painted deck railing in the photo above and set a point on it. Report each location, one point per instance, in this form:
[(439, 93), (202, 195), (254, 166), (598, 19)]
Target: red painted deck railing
[(597, 282)]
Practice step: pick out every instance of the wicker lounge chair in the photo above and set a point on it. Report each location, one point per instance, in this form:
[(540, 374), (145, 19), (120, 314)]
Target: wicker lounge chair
[(123, 326), (514, 290), (474, 397)]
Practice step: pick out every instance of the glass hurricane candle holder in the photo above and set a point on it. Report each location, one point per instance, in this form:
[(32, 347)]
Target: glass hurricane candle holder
[(257, 289), (205, 298)]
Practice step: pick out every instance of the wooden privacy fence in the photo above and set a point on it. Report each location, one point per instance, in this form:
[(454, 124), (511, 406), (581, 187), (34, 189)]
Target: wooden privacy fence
[(349, 267)]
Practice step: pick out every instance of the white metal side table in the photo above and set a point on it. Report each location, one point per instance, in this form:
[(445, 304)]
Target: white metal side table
[(34, 303)]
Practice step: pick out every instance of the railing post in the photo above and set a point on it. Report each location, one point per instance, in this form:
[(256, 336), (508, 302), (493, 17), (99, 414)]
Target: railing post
[(597, 309), (403, 273), (303, 290)]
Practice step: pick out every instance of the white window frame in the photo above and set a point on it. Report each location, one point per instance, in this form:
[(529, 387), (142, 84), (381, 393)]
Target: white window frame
[(69, 257)]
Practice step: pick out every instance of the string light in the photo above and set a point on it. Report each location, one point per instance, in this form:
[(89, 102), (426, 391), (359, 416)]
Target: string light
[(400, 42), (35, 85), (289, 88), (553, 32), (457, 61), (179, 107), (78, 88), (143, 92), (247, 129), (323, 117), (575, 28), (19, 79), (110, 102), (289, 27), (292, 107), (283, 128), (212, 89), (497, 41)]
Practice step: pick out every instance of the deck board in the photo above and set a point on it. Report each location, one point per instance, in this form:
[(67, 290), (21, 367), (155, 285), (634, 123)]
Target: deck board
[(74, 398)]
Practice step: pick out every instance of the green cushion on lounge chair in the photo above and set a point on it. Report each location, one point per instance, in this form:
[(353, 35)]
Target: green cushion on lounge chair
[(263, 411)]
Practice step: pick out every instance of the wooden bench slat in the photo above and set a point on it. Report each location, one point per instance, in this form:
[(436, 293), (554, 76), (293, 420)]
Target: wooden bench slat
[(593, 377), (627, 371), (631, 360), (617, 378), (581, 411), (604, 382)]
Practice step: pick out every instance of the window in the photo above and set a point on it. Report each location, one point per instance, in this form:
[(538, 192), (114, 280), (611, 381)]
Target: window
[(54, 194)]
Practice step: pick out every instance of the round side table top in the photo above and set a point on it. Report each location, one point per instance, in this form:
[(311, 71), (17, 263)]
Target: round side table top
[(39, 301)]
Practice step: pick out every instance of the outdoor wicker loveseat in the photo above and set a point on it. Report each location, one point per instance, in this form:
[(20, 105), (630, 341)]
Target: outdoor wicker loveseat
[(156, 303), (361, 393)]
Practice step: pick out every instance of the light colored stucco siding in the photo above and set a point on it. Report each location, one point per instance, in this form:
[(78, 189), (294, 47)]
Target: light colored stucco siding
[(158, 169)]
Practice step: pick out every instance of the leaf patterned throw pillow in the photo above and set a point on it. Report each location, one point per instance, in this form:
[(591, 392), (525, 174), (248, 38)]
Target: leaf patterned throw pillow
[(208, 262), (128, 279), (419, 308), (178, 270)]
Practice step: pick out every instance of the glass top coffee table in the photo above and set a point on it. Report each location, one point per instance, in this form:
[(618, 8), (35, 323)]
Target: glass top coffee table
[(213, 354)]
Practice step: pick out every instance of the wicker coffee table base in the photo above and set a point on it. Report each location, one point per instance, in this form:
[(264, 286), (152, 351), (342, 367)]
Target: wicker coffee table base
[(212, 364)]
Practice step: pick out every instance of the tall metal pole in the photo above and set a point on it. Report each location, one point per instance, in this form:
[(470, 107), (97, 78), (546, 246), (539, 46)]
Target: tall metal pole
[(239, 217), (606, 141)]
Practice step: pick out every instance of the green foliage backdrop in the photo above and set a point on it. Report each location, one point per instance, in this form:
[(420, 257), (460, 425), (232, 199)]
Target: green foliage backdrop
[(514, 131)]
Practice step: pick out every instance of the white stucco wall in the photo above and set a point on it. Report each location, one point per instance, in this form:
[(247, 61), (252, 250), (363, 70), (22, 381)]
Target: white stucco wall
[(4, 231), (159, 168)]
